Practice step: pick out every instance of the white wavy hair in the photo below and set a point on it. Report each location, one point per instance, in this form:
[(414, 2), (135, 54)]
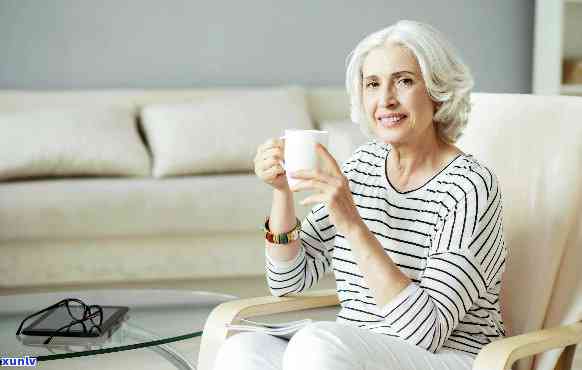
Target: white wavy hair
[(448, 80)]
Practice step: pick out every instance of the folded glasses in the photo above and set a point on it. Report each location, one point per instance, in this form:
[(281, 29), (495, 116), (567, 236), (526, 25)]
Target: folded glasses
[(85, 318)]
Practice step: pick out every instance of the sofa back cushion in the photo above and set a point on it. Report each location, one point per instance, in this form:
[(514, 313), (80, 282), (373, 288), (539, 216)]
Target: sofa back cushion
[(220, 134), (344, 138), (101, 141)]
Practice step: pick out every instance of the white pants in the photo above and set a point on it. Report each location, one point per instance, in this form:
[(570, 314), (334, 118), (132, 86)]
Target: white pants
[(327, 345)]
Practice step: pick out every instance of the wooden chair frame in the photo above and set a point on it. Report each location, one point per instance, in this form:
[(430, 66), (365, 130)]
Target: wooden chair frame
[(499, 355)]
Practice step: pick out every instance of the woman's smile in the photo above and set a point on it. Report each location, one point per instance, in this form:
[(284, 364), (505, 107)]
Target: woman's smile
[(391, 120)]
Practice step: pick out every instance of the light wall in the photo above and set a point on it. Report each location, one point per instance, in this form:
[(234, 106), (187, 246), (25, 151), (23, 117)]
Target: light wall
[(82, 44)]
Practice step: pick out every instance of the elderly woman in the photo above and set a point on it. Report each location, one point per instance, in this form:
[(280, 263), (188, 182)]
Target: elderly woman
[(410, 225)]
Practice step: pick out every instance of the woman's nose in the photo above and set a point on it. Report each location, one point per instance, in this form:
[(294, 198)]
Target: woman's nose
[(387, 98)]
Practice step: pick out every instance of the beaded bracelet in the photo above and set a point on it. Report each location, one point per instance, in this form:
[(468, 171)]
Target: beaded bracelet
[(284, 238)]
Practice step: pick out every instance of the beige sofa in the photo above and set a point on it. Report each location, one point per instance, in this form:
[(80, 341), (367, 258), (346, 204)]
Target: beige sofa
[(141, 185)]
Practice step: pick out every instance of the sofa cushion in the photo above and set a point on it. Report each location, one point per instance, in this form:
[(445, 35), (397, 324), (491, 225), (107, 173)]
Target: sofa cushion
[(220, 134), (71, 142), (65, 209)]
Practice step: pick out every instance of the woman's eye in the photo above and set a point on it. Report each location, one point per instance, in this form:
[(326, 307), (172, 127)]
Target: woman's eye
[(405, 82), (371, 84)]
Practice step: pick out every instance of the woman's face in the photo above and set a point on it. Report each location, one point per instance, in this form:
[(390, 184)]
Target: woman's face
[(395, 97)]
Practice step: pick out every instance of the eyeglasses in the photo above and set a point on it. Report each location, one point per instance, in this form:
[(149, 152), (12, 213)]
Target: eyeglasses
[(87, 318)]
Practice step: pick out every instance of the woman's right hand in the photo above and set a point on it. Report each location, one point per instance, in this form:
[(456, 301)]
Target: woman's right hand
[(268, 166)]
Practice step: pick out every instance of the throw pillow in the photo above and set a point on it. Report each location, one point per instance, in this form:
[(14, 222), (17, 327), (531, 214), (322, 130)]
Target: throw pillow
[(71, 142), (220, 134)]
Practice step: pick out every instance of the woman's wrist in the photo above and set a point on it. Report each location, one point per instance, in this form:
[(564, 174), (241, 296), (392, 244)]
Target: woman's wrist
[(282, 217), (356, 231), (285, 192)]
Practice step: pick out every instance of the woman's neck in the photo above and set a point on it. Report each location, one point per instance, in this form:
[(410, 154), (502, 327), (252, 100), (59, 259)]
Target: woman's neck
[(420, 157)]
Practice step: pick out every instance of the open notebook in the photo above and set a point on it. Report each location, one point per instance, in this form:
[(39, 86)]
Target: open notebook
[(282, 330)]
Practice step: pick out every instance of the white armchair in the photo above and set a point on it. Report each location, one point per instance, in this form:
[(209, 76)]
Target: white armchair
[(534, 144)]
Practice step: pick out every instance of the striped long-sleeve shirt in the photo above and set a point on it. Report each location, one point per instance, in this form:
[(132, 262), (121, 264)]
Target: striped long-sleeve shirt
[(446, 236)]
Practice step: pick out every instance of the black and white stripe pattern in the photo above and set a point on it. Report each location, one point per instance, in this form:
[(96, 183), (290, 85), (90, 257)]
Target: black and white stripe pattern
[(447, 236)]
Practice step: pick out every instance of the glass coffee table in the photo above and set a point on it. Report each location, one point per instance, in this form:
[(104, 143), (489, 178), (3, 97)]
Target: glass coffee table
[(167, 322)]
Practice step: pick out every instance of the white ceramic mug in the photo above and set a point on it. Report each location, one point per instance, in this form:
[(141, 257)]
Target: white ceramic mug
[(300, 151)]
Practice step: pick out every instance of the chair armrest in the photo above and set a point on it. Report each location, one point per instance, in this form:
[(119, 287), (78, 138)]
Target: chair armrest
[(215, 332), (501, 354)]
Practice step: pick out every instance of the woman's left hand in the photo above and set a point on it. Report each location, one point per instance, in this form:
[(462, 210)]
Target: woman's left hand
[(332, 188)]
